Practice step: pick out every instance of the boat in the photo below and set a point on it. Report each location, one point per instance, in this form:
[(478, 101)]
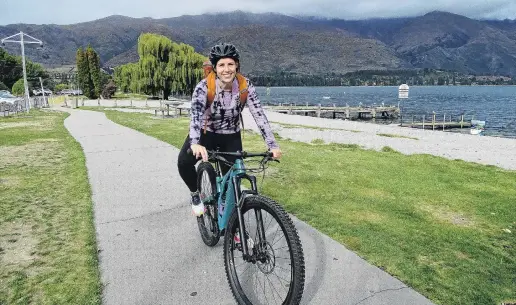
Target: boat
[(477, 127), (326, 97)]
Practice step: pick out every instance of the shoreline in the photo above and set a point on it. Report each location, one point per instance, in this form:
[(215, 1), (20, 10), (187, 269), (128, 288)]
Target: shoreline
[(486, 150)]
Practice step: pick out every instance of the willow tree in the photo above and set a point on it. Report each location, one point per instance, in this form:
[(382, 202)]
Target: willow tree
[(154, 51), (164, 67), (127, 78), (186, 68)]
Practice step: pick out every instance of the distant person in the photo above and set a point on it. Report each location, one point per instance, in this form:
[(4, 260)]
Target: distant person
[(217, 103)]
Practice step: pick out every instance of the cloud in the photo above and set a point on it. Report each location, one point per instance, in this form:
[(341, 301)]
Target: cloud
[(72, 11)]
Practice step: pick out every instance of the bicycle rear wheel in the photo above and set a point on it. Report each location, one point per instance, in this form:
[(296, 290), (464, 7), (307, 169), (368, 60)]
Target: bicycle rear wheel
[(208, 222), (277, 274)]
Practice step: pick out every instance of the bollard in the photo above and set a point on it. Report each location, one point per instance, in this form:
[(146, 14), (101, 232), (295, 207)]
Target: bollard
[(319, 111)]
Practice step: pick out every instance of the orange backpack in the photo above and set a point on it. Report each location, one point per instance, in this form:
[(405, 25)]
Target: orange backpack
[(211, 77)]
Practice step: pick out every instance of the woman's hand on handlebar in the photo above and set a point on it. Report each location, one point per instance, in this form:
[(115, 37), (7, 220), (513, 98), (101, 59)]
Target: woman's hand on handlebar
[(276, 153), (199, 151)]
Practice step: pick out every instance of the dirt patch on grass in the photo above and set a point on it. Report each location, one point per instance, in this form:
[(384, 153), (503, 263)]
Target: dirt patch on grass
[(375, 193), (368, 216), (9, 181), (444, 214), (5, 125), (40, 153), (41, 123), (17, 244)]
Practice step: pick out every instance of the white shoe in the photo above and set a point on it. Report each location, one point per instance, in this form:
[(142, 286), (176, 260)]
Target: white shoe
[(197, 205)]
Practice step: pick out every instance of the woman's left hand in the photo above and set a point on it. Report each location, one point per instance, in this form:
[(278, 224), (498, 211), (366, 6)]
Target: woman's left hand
[(276, 153)]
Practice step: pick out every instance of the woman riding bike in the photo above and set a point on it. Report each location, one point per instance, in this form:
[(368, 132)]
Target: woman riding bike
[(218, 126)]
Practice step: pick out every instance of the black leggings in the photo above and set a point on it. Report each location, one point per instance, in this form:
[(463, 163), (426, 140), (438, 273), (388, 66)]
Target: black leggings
[(186, 161)]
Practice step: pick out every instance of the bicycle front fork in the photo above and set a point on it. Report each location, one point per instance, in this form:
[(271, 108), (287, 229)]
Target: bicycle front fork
[(240, 197)]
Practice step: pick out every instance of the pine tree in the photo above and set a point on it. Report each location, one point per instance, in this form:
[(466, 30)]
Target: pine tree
[(83, 72), (94, 71)]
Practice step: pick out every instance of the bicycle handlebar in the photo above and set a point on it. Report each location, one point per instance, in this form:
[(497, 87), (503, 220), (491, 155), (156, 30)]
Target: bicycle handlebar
[(242, 154)]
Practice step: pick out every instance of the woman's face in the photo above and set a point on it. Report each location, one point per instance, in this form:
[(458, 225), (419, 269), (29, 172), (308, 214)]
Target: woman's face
[(226, 70)]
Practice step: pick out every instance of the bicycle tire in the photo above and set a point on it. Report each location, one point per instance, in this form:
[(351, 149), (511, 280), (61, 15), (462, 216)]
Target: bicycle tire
[(209, 237), (295, 292)]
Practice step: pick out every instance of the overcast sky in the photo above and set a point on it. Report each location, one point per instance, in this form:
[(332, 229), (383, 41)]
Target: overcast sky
[(73, 11)]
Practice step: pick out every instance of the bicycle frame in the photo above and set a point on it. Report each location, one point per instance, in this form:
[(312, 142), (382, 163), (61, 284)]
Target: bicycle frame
[(229, 195)]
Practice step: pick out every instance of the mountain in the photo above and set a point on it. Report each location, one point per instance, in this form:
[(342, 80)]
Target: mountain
[(444, 41), (275, 42)]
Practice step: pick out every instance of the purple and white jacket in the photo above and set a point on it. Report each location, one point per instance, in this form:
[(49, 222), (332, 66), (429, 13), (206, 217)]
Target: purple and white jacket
[(224, 113)]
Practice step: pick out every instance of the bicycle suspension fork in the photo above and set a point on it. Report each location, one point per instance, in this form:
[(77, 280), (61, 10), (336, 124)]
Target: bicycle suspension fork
[(240, 197)]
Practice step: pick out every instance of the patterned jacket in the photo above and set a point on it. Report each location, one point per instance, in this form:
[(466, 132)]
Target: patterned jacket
[(224, 113)]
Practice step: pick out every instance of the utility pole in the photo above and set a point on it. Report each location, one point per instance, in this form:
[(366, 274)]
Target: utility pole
[(22, 42)]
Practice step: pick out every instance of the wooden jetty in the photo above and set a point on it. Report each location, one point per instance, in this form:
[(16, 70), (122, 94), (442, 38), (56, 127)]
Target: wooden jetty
[(334, 112), (434, 124)]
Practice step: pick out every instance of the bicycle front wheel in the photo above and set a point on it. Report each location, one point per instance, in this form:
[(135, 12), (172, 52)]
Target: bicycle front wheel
[(275, 273)]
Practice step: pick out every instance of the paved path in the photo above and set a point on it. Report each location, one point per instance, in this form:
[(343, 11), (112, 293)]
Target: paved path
[(150, 248)]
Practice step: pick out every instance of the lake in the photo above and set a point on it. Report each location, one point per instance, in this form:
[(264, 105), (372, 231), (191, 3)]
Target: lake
[(494, 104)]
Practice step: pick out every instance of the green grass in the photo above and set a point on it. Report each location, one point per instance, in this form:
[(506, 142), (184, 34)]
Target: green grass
[(119, 95), (389, 135), (436, 224), (47, 237)]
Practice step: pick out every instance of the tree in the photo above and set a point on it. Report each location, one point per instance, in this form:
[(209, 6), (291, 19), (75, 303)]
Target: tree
[(164, 67), (94, 71), (10, 68), (61, 87), (88, 72), (3, 86), (18, 88), (109, 90), (83, 72)]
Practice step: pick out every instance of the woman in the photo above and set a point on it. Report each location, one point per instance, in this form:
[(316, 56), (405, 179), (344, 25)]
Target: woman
[(219, 125)]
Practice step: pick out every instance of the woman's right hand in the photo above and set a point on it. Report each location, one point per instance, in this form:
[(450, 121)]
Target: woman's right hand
[(199, 151)]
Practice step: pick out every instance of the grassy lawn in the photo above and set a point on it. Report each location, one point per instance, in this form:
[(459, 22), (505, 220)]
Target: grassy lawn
[(47, 238), (446, 228), (120, 95)]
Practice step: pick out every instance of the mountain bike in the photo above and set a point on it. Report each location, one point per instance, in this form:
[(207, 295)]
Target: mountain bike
[(263, 256)]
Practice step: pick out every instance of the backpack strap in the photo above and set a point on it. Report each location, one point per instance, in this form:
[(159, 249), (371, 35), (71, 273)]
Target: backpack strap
[(242, 85)]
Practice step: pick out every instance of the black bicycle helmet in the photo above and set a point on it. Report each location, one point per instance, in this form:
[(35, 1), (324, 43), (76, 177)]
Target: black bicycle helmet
[(224, 50)]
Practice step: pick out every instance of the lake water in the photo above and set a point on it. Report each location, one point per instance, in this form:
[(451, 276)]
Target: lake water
[(494, 104)]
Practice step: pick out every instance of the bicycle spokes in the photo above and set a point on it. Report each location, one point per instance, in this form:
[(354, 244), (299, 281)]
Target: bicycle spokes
[(206, 193), (266, 276)]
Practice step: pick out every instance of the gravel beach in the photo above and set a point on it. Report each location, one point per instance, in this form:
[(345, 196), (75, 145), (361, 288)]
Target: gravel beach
[(485, 150)]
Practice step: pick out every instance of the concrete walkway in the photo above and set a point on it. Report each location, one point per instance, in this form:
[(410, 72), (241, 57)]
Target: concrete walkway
[(150, 248)]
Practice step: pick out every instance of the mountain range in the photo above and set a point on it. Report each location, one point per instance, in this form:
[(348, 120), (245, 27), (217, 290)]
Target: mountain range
[(272, 43)]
